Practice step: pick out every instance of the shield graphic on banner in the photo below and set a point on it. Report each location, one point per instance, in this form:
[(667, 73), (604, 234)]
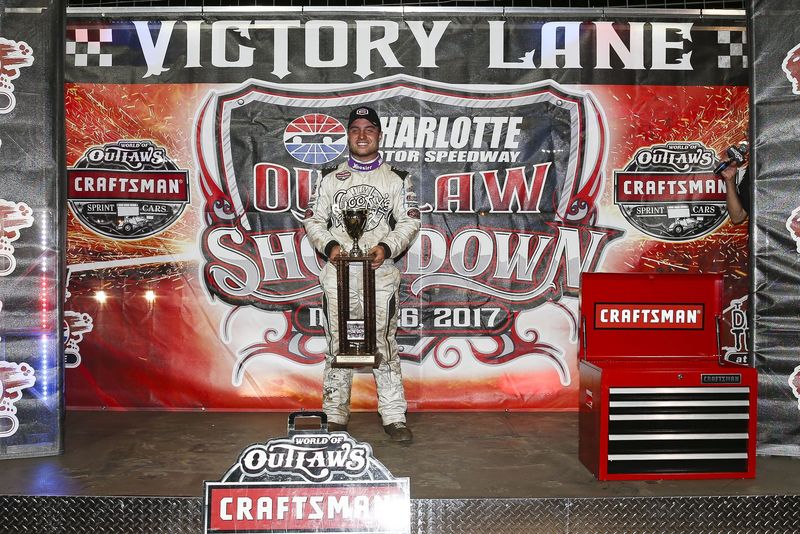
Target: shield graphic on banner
[(507, 179)]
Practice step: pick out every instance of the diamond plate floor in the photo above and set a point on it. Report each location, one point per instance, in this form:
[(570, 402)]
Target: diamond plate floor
[(624, 515), (480, 472)]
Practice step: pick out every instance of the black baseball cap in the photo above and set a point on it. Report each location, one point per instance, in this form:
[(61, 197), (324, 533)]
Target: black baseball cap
[(364, 112)]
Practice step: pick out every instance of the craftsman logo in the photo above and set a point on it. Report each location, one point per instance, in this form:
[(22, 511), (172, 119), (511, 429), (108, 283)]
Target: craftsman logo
[(315, 138), (367, 507), (127, 190), (309, 481), (671, 192), (791, 67), (721, 379), (647, 316), (666, 187)]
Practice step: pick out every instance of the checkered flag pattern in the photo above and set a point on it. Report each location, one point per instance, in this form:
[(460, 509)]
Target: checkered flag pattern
[(85, 43), (735, 41)]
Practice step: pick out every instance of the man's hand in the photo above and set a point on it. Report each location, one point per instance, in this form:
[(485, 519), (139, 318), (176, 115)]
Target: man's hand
[(378, 256), (736, 212), (335, 251), (729, 173)]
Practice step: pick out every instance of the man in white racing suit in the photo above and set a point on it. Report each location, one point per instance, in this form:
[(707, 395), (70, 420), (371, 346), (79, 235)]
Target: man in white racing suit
[(365, 181)]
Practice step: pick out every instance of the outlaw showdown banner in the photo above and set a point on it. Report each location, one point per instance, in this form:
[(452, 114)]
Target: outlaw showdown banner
[(540, 149)]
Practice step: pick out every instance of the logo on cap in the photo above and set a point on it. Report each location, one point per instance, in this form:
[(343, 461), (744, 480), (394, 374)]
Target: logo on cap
[(365, 113)]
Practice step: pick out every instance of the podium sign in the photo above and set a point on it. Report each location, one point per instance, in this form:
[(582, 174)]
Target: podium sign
[(309, 481)]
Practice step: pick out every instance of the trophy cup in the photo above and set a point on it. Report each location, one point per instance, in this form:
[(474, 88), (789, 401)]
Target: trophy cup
[(355, 220), (356, 335)]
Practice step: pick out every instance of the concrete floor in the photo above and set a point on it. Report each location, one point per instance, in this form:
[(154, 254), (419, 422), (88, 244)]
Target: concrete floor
[(454, 455)]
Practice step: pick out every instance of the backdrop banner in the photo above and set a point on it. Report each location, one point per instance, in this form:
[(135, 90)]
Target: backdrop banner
[(539, 149), (32, 228), (776, 226)]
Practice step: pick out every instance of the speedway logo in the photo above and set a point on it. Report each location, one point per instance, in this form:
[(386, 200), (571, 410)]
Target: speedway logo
[(309, 481), (315, 138), (671, 192), (482, 138), (127, 190)]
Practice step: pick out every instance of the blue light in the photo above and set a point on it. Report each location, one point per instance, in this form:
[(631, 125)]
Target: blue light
[(44, 368)]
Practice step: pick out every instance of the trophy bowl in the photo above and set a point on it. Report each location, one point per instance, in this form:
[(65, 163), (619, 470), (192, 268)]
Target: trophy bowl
[(355, 220)]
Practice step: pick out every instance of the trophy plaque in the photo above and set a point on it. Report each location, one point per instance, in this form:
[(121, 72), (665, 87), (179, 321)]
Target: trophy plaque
[(356, 335)]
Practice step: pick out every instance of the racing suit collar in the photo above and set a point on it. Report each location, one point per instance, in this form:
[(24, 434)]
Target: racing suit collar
[(368, 166)]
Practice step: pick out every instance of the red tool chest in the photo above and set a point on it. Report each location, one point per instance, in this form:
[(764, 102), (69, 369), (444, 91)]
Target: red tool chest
[(655, 401)]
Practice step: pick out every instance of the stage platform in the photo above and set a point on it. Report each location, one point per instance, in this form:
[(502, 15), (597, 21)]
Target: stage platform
[(470, 472)]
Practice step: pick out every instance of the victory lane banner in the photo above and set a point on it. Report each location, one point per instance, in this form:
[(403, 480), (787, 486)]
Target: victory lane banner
[(556, 147)]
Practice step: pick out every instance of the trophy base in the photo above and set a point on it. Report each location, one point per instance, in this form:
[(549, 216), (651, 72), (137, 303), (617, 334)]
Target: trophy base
[(355, 360)]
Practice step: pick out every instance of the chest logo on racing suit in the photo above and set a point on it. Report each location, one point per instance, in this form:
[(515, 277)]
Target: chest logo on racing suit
[(362, 196)]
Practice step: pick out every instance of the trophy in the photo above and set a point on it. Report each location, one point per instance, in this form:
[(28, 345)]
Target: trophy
[(356, 335), (355, 220)]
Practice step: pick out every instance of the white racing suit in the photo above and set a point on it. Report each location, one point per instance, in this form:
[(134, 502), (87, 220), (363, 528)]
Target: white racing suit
[(393, 222)]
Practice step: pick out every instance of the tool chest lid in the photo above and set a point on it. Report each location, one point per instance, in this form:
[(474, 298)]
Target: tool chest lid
[(630, 315)]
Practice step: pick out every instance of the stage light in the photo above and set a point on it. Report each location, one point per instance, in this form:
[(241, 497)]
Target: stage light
[(45, 349), (45, 298), (150, 296), (101, 297)]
